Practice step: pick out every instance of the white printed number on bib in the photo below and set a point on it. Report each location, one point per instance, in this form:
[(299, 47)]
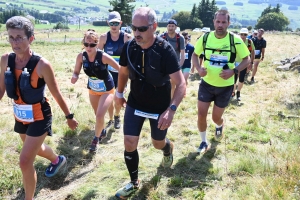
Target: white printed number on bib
[(257, 52), (186, 56), (218, 60), (110, 68), (23, 113), (97, 85), (147, 115)]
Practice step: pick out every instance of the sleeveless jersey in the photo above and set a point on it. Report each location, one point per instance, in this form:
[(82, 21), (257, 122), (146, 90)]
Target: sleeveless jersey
[(114, 48)]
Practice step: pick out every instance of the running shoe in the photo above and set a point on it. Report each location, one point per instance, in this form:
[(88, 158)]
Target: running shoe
[(93, 147), (52, 169), (102, 135), (129, 188), (219, 133), (117, 123), (252, 80), (203, 147), (167, 161), (109, 123)]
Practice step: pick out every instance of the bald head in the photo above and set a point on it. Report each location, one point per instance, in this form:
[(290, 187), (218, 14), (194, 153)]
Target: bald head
[(145, 12)]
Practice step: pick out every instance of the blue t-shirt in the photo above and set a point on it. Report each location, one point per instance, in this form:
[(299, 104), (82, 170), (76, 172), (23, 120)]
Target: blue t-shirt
[(189, 50)]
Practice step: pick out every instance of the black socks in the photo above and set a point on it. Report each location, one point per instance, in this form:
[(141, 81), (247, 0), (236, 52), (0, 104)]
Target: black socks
[(132, 163), (166, 148)]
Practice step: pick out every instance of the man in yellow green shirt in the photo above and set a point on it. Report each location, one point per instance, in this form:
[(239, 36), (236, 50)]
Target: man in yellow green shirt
[(220, 49)]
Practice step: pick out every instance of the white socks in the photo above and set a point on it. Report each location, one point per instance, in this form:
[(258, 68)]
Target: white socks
[(203, 136)]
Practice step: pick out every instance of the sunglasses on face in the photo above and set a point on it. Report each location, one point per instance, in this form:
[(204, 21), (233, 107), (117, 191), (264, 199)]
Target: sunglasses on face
[(243, 34), (187, 38), (90, 44), (114, 23), (140, 28)]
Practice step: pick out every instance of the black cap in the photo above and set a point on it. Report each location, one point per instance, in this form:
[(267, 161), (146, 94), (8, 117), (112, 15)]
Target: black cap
[(172, 21)]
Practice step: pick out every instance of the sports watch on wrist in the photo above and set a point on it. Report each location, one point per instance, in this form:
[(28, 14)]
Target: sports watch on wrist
[(70, 116), (235, 71), (173, 107)]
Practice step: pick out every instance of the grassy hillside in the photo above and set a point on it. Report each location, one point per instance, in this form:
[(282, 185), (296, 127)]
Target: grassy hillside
[(247, 11), (258, 158)]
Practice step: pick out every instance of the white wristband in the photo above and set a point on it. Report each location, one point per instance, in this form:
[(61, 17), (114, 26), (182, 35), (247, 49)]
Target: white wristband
[(75, 75), (119, 95)]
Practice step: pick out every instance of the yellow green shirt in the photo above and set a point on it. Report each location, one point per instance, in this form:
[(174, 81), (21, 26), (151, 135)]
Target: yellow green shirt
[(213, 68)]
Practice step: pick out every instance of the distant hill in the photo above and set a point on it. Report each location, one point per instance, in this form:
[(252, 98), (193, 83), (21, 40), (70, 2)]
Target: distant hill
[(241, 10)]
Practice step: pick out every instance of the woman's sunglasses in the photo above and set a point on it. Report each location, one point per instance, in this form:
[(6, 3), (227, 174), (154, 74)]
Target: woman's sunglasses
[(90, 44), (243, 34), (140, 28), (114, 23)]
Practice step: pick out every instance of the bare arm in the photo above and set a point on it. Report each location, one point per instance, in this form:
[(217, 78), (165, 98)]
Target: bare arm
[(182, 57), (77, 69), (3, 64), (262, 53), (196, 62), (122, 81), (107, 59), (102, 41), (166, 117), (46, 72)]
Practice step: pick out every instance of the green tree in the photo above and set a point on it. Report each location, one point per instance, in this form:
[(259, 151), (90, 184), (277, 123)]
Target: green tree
[(206, 11), (193, 12), (272, 21), (185, 21), (124, 8)]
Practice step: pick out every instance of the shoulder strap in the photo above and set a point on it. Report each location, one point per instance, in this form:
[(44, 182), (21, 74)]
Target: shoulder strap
[(11, 62), (232, 48), (205, 36), (99, 55), (33, 61)]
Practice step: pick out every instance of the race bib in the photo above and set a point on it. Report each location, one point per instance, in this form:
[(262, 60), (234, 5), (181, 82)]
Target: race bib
[(97, 85), (23, 113), (110, 68), (146, 115), (186, 56), (218, 60), (257, 52)]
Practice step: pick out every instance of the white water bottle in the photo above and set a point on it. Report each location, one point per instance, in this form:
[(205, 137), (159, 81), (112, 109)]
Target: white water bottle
[(25, 71), (8, 70)]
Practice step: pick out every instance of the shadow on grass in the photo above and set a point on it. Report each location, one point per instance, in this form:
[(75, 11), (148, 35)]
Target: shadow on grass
[(76, 149), (194, 171)]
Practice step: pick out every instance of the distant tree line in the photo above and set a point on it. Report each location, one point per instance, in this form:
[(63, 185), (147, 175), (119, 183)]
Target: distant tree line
[(272, 19), (200, 16), (6, 14)]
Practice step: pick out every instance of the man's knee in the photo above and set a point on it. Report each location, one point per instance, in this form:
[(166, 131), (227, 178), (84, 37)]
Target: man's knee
[(131, 143)]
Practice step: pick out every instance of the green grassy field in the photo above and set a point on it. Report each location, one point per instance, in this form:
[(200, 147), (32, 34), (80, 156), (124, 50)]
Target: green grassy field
[(258, 158)]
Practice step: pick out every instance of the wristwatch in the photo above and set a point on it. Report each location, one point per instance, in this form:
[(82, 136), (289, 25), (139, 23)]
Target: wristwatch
[(173, 107), (235, 71), (70, 116)]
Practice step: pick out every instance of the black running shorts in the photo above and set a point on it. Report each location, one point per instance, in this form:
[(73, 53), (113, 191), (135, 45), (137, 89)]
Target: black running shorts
[(220, 95), (133, 125), (35, 129)]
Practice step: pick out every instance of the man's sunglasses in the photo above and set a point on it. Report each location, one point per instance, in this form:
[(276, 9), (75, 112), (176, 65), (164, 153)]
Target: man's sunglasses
[(244, 34), (114, 23), (187, 38), (90, 44), (91, 30), (140, 28)]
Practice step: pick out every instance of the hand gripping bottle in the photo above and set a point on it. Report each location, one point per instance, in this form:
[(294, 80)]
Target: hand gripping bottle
[(10, 84)]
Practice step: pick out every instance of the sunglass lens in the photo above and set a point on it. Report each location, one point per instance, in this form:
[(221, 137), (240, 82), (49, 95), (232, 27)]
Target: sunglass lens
[(93, 45), (86, 44), (89, 44)]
